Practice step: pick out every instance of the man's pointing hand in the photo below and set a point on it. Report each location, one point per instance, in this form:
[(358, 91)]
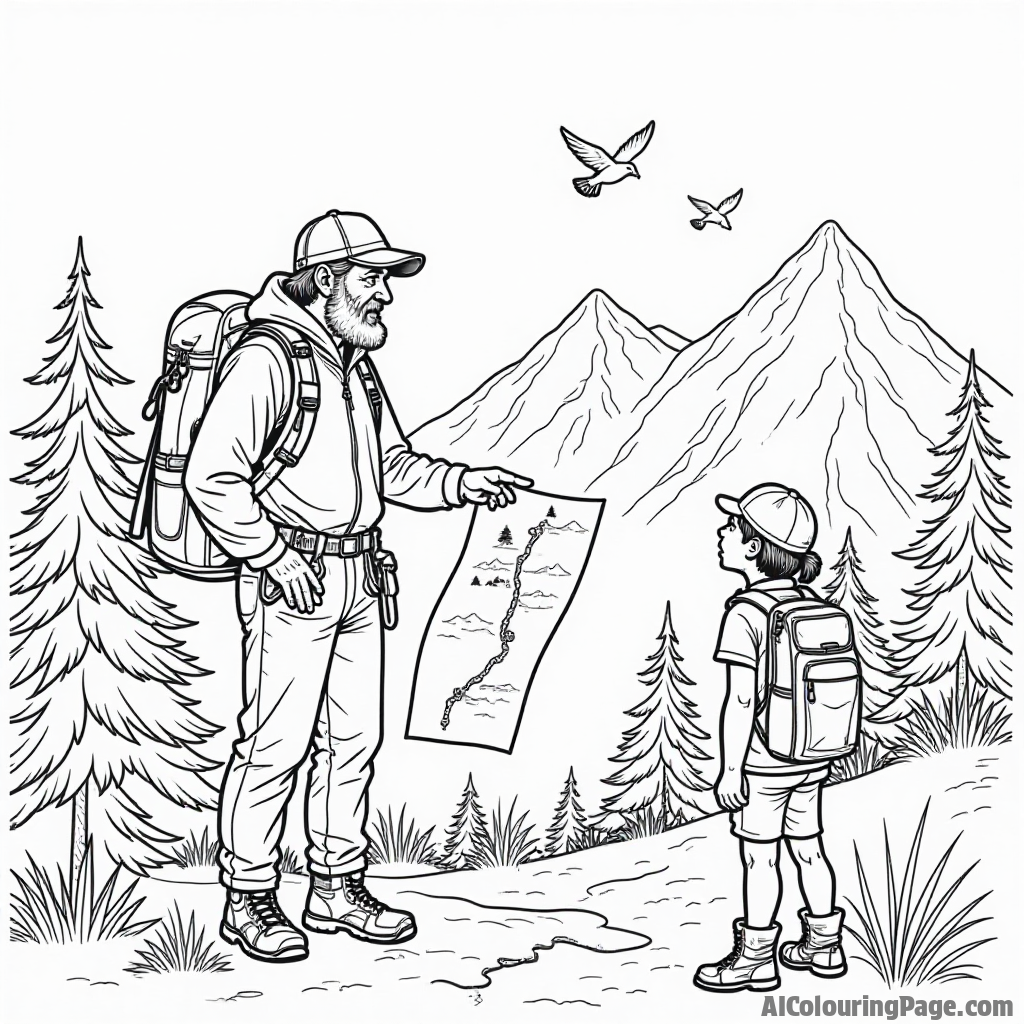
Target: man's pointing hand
[(493, 487)]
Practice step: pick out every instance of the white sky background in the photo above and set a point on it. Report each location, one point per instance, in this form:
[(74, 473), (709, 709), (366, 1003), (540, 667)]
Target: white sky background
[(188, 143)]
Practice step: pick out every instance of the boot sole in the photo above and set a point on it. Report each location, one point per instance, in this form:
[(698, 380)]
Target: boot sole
[(821, 972), (286, 956), (753, 986), (328, 926)]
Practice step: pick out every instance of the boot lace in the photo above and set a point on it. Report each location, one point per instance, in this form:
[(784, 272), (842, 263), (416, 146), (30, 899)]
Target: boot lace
[(265, 909), (355, 889), (729, 960)]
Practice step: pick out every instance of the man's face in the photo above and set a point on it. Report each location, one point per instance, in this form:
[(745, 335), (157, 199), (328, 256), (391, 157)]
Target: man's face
[(733, 554), (354, 309)]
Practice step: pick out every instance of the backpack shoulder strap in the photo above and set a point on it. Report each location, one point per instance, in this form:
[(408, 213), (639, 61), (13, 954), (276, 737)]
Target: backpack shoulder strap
[(758, 598), (368, 375), (293, 437)]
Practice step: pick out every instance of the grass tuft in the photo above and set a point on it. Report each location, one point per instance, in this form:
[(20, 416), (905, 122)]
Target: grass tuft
[(959, 721), (45, 911), (870, 756), (917, 937), (292, 863), (176, 946), (196, 853), (394, 842), (506, 841)]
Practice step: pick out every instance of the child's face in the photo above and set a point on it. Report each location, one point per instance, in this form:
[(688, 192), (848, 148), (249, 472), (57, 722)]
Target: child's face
[(732, 552)]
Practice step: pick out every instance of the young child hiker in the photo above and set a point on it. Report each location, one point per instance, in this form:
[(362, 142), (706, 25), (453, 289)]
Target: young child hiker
[(767, 540)]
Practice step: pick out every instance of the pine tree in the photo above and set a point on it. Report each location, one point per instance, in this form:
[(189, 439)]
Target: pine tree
[(506, 536), (660, 754), (468, 828), (551, 512), (476, 581), (570, 821), (99, 670), (960, 605), (847, 590)]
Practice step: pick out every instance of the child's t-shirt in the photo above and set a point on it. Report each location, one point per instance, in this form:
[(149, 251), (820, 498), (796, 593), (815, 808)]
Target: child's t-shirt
[(741, 641)]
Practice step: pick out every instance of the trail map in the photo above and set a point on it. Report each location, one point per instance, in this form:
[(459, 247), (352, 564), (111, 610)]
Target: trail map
[(517, 575)]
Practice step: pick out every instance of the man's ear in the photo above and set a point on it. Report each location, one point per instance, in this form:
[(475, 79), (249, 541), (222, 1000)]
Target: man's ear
[(752, 549), (323, 278)]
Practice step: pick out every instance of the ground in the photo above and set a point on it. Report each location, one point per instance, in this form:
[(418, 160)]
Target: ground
[(614, 932)]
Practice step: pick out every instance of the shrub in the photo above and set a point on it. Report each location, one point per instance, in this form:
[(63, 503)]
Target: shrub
[(506, 841), (44, 912), (957, 721), (177, 947), (394, 842), (870, 755), (918, 936)]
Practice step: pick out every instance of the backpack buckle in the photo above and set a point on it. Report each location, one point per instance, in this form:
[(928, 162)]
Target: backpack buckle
[(301, 349), (309, 396), (285, 456)]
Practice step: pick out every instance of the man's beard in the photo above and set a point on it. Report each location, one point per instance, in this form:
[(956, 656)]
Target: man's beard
[(363, 327)]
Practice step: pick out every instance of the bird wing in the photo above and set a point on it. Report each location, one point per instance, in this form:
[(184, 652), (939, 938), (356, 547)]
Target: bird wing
[(635, 144), (730, 203), (587, 153), (704, 208)]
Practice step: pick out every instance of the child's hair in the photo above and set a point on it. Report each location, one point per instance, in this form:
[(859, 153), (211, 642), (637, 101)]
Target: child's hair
[(778, 563)]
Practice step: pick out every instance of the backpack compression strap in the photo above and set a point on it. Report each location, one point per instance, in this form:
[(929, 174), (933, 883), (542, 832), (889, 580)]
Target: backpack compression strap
[(293, 438)]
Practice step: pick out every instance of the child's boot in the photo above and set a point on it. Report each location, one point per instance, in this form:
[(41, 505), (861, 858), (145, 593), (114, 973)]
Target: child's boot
[(820, 949), (751, 964)]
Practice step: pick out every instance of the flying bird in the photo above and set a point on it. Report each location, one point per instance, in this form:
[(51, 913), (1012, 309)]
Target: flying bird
[(607, 169), (716, 214)]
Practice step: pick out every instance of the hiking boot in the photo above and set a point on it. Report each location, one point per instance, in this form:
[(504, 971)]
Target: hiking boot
[(820, 949), (255, 922), (342, 904), (751, 964)]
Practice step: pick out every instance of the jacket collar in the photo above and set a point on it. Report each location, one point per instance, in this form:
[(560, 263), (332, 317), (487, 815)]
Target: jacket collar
[(271, 303)]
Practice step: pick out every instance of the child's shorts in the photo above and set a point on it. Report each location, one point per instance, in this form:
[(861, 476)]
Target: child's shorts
[(780, 807)]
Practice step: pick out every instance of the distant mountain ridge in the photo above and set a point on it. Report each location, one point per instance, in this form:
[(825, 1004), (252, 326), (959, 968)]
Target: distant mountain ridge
[(821, 377)]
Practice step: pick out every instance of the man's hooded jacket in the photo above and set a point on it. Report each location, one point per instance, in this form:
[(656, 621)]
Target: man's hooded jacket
[(345, 473)]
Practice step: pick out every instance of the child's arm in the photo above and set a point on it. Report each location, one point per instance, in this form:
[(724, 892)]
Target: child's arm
[(737, 727)]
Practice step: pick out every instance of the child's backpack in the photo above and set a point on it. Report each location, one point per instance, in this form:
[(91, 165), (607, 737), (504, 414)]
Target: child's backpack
[(810, 708), (199, 337)]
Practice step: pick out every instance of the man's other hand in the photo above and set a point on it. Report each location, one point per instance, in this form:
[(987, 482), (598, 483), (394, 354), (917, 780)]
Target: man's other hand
[(298, 581), (731, 791), (493, 487)]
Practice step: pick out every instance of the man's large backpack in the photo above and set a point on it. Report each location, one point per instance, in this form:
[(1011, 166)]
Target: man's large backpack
[(810, 707), (199, 338)]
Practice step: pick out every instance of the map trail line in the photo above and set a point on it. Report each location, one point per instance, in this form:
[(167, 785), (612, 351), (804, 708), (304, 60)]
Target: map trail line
[(507, 636)]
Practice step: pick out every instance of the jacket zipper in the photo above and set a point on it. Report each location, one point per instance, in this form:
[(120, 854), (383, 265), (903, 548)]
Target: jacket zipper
[(346, 394)]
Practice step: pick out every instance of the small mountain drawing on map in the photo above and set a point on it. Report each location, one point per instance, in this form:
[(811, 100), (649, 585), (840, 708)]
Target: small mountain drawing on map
[(570, 527), (535, 607), (537, 593), (495, 565), (471, 623), (549, 570)]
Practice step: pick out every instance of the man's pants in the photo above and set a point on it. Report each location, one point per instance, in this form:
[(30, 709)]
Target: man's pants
[(306, 678)]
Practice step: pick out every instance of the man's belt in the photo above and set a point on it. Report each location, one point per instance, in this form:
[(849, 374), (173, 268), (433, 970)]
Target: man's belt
[(348, 546)]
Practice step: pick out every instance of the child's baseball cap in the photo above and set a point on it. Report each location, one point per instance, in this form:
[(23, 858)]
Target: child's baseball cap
[(778, 513)]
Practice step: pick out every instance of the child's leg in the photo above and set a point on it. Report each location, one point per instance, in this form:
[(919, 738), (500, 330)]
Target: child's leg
[(762, 884), (817, 880)]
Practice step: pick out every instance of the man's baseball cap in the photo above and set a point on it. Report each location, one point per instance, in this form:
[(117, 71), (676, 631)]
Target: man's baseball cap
[(353, 237), (778, 513)]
